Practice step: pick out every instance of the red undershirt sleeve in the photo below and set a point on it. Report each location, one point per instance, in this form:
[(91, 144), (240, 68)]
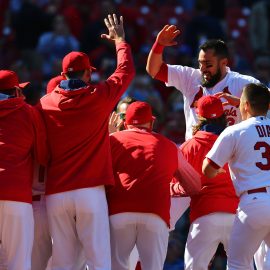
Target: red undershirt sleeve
[(162, 74)]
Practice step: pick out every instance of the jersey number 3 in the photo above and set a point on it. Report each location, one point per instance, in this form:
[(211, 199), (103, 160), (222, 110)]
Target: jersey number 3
[(265, 155)]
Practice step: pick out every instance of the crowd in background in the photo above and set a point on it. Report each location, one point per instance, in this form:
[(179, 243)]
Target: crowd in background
[(35, 35)]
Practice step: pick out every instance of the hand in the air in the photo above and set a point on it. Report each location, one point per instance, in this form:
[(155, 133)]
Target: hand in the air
[(166, 37), (115, 27)]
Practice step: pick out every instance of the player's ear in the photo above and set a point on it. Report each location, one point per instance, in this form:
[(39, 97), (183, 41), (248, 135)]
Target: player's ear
[(224, 62)]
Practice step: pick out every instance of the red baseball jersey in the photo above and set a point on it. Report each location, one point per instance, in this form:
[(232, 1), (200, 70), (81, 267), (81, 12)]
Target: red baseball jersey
[(77, 128), (22, 139), (144, 163), (217, 194)]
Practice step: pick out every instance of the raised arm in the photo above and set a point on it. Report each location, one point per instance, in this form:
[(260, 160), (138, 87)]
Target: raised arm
[(119, 81), (166, 37)]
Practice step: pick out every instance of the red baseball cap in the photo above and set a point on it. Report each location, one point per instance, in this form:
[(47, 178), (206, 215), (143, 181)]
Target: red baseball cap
[(9, 79), (54, 82), (76, 61), (209, 107), (138, 113)]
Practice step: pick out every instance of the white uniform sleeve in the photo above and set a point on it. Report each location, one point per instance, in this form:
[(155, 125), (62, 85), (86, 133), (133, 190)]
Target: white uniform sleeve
[(223, 148), (182, 78), (242, 80)]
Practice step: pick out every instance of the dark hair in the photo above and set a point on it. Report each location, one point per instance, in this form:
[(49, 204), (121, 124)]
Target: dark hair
[(258, 95), (127, 100), (75, 74), (10, 92), (218, 45), (220, 121)]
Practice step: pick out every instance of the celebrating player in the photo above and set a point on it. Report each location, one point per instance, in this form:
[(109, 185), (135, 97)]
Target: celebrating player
[(246, 146), (76, 115), (212, 76), (212, 211), (144, 163), (22, 140)]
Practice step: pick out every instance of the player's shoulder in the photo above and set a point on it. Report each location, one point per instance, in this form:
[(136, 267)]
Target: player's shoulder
[(237, 129), (185, 69), (241, 78)]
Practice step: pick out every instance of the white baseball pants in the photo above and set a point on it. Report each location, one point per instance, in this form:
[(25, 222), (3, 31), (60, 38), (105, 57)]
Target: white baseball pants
[(145, 230), (79, 217), (251, 227), (204, 236), (262, 257), (17, 233)]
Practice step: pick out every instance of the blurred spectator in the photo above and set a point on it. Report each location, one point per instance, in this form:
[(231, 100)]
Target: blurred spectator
[(262, 69), (91, 43), (260, 26), (236, 61), (143, 89), (29, 22), (54, 45), (203, 26)]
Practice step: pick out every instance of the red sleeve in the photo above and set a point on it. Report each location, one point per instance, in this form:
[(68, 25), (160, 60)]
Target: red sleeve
[(41, 154), (162, 74), (119, 81)]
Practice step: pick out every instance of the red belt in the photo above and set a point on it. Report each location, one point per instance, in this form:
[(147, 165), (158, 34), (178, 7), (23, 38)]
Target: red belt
[(36, 198), (257, 190)]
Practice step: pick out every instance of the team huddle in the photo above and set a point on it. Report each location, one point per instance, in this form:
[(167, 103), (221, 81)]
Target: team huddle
[(75, 196)]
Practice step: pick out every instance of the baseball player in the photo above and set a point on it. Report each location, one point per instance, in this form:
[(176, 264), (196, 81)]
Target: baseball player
[(42, 245), (76, 115), (212, 211), (213, 75), (22, 140), (144, 163), (245, 146)]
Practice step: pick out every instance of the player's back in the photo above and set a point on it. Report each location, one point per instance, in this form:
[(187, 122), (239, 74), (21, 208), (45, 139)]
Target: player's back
[(143, 163), (217, 194), (251, 160)]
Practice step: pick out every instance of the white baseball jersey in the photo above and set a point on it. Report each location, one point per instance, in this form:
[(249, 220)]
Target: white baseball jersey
[(246, 148), (188, 81)]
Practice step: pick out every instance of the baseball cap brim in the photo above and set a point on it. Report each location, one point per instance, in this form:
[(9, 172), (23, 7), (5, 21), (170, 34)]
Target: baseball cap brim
[(23, 85)]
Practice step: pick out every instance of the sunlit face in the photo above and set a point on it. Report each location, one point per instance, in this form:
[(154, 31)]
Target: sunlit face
[(210, 67), (122, 114), (242, 107)]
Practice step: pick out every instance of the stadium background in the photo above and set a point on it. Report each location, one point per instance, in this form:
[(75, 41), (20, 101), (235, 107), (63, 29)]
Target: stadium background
[(36, 34)]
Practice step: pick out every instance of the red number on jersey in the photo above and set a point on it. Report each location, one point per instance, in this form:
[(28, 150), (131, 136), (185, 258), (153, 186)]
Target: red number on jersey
[(265, 154), (231, 121)]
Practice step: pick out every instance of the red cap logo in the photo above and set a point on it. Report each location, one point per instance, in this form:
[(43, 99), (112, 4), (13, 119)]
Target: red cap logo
[(76, 61)]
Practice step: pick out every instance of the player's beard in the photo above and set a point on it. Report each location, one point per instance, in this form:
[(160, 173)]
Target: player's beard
[(214, 79)]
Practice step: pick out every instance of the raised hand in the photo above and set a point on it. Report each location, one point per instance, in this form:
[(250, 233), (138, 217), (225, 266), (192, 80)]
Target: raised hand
[(116, 29), (167, 35), (230, 99)]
